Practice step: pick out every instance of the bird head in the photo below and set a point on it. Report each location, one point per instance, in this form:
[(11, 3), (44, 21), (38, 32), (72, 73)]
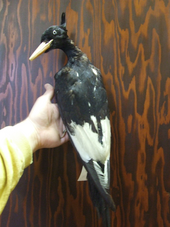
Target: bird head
[(52, 38)]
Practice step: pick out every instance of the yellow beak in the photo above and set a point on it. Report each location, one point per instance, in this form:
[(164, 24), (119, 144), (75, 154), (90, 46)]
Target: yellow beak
[(40, 49)]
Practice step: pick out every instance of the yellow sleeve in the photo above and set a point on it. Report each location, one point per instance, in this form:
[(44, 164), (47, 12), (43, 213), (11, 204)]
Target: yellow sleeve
[(15, 156)]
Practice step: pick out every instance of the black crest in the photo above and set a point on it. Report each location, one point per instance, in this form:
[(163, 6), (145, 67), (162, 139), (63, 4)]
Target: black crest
[(63, 21)]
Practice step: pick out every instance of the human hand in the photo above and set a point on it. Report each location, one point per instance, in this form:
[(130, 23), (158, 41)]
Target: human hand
[(44, 127)]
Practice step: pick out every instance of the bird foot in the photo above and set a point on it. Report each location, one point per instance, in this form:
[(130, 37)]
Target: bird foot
[(64, 133)]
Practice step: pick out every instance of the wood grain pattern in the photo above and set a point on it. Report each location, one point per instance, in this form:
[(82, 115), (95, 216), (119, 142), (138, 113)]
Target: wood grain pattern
[(130, 42)]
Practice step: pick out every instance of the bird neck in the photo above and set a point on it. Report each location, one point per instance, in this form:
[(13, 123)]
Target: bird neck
[(70, 49)]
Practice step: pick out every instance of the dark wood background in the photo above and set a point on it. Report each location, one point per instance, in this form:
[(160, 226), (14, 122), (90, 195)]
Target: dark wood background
[(129, 40)]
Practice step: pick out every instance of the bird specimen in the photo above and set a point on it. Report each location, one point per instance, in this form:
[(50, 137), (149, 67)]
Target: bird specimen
[(83, 106)]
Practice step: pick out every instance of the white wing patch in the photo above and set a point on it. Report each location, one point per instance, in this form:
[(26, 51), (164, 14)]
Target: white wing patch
[(86, 141)]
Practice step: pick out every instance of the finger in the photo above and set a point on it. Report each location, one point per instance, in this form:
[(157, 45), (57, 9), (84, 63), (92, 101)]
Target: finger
[(49, 91)]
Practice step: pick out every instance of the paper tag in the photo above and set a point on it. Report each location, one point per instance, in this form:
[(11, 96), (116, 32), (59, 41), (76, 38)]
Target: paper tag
[(83, 175)]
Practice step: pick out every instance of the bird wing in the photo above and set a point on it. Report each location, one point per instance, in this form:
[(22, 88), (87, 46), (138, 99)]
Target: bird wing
[(84, 109), (87, 141), (91, 150)]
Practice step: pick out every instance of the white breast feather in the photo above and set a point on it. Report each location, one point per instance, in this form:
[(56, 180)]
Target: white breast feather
[(86, 141)]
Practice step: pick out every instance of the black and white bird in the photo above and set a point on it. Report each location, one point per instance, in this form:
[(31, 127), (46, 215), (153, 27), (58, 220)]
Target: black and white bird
[(83, 106)]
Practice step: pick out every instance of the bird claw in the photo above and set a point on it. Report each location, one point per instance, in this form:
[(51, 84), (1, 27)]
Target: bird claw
[(64, 133)]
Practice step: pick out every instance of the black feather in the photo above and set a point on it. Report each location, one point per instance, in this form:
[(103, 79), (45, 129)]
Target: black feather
[(99, 203), (95, 184), (63, 18)]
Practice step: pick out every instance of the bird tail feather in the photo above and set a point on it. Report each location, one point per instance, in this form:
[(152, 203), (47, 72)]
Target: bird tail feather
[(95, 184), (100, 204)]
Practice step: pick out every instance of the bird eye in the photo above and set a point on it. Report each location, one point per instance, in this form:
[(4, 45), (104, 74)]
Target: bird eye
[(54, 32)]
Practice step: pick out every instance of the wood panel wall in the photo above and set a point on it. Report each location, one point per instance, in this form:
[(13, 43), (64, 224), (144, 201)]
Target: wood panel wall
[(129, 40)]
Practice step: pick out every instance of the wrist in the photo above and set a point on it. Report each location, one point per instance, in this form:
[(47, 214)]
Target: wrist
[(28, 129)]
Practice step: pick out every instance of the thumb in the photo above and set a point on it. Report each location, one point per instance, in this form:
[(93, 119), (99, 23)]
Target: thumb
[(49, 91)]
